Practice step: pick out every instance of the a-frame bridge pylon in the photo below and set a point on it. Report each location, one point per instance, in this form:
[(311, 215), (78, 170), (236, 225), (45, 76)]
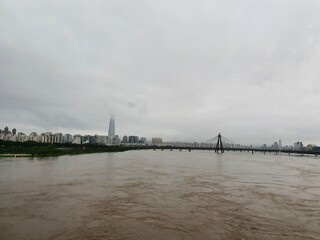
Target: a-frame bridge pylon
[(219, 145)]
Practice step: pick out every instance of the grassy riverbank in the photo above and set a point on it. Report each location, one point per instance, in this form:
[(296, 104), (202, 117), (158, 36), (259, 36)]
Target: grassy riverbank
[(34, 149)]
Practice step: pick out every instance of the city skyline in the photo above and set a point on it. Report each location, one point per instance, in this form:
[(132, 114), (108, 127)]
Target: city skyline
[(182, 72), (111, 138), (183, 139)]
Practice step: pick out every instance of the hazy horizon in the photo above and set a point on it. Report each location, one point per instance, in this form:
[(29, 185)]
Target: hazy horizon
[(179, 70)]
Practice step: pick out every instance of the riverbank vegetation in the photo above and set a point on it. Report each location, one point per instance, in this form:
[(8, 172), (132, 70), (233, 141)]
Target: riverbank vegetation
[(36, 149)]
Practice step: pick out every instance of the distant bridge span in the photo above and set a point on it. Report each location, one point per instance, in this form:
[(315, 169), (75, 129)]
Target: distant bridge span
[(252, 150), (219, 141)]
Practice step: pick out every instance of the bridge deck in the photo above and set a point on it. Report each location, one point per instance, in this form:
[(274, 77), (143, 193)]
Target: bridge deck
[(228, 149)]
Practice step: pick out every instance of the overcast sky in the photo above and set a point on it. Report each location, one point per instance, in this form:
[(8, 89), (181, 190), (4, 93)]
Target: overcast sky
[(180, 70)]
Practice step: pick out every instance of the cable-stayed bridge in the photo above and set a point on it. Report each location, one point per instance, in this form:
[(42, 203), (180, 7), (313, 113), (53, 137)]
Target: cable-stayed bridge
[(222, 144)]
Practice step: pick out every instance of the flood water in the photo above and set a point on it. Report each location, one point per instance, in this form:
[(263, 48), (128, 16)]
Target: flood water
[(160, 195)]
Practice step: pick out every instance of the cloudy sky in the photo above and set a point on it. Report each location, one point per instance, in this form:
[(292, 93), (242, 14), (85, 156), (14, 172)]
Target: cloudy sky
[(180, 70)]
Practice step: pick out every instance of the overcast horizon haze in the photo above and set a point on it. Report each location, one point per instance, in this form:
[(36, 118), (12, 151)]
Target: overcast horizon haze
[(179, 70)]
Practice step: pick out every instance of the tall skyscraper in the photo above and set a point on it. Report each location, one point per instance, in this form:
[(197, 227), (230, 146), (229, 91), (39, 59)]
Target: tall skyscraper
[(112, 128)]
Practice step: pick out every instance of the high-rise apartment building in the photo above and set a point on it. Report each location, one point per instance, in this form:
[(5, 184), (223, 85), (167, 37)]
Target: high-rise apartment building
[(298, 146), (112, 128), (133, 139), (67, 138), (58, 137), (116, 140), (157, 141), (124, 139)]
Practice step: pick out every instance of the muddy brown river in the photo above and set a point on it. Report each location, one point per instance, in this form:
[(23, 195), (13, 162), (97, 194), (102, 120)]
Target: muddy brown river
[(160, 195)]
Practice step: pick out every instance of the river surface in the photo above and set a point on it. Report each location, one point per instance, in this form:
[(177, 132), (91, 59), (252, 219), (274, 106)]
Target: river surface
[(160, 195)]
